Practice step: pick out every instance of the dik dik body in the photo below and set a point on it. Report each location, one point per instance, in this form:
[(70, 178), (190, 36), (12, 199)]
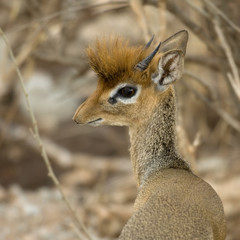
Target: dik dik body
[(135, 90)]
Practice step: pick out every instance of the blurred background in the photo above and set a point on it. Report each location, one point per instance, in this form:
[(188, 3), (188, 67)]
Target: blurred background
[(48, 39)]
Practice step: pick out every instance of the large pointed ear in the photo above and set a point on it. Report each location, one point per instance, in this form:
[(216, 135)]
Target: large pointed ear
[(171, 61), (178, 41)]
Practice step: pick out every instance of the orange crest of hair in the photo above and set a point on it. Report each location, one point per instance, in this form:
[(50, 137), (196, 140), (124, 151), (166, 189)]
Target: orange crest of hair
[(113, 58)]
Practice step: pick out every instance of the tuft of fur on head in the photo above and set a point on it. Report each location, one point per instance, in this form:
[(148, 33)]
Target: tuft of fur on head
[(113, 58)]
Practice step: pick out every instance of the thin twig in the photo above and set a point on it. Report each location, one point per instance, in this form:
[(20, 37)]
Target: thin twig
[(51, 173), (28, 47), (235, 85), (162, 18), (222, 15), (109, 7), (79, 234), (137, 8), (196, 28), (52, 57), (201, 11), (212, 62), (50, 17), (234, 123), (234, 77), (206, 85), (198, 79)]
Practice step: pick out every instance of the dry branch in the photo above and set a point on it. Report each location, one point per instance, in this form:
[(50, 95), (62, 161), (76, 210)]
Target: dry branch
[(162, 18), (197, 9), (231, 121), (199, 80), (222, 15), (36, 135), (209, 62), (28, 47), (234, 76), (73, 9), (137, 8), (197, 29)]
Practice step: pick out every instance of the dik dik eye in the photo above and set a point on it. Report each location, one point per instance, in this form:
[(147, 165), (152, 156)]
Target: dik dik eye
[(127, 92)]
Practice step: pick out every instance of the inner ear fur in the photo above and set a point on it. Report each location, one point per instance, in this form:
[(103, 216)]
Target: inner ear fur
[(170, 63), (169, 69)]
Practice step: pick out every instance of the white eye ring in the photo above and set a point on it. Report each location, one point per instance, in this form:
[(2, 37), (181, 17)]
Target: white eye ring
[(114, 93)]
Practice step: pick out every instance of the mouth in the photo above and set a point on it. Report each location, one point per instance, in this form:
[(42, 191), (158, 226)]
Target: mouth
[(95, 122)]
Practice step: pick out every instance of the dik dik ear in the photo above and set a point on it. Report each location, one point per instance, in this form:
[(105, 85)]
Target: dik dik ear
[(169, 69), (170, 64), (178, 41)]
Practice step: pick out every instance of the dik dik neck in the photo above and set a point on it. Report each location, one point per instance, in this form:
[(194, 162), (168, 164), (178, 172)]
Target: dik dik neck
[(153, 143)]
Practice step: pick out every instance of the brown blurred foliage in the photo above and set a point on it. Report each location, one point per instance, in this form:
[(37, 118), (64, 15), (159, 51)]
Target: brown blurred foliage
[(49, 39)]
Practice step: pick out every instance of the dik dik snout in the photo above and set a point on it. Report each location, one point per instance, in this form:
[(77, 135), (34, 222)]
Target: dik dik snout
[(78, 115), (88, 113)]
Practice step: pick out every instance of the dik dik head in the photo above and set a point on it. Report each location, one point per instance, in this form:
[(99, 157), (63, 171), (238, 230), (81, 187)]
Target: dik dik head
[(131, 80)]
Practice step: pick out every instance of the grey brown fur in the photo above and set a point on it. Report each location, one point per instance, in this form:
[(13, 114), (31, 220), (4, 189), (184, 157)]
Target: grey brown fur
[(175, 208), (153, 145), (172, 202)]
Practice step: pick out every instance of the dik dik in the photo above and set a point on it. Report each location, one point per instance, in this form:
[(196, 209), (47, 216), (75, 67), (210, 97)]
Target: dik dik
[(135, 90)]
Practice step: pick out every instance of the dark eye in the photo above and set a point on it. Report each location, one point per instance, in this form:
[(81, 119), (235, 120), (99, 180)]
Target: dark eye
[(127, 92)]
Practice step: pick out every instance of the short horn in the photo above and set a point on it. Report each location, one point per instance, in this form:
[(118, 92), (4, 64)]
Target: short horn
[(141, 66), (149, 43)]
